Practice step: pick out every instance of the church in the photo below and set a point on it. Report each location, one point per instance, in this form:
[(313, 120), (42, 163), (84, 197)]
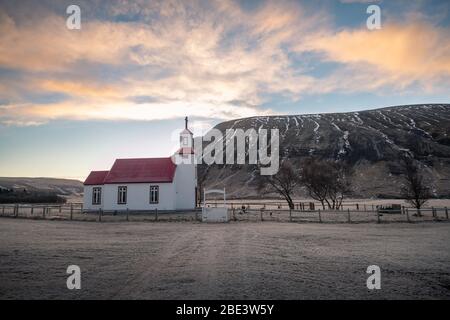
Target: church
[(146, 184)]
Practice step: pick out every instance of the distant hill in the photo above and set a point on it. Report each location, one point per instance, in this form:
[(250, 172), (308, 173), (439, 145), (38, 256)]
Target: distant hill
[(371, 141), (62, 187)]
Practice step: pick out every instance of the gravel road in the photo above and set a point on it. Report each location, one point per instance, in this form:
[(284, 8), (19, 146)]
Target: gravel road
[(245, 260)]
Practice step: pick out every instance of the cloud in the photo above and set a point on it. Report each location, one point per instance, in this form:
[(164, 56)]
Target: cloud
[(407, 53), (24, 114), (150, 60), (50, 46), (185, 58)]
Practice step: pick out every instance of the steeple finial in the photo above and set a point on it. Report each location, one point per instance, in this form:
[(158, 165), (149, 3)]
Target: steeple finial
[(186, 122)]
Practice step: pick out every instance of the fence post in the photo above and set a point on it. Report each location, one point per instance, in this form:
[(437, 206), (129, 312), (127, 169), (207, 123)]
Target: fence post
[(32, 209), (71, 211), (127, 214), (407, 215), (261, 213), (156, 214), (60, 209), (290, 215), (378, 216), (446, 213), (17, 211), (348, 215), (3, 210), (100, 215), (320, 217), (43, 212)]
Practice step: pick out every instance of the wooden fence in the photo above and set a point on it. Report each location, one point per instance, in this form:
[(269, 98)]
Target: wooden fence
[(262, 212), (341, 216), (43, 211), (298, 205), (74, 211)]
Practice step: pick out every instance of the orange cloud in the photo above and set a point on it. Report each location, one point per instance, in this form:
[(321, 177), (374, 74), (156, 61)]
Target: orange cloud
[(33, 114), (80, 89), (50, 46), (406, 53)]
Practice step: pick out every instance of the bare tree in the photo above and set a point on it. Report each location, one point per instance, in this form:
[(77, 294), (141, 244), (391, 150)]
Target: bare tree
[(283, 183), (326, 181), (415, 191), (315, 178), (340, 184)]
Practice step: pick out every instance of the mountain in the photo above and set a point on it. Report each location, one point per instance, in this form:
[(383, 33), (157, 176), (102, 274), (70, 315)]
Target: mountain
[(63, 187), (371, 141)]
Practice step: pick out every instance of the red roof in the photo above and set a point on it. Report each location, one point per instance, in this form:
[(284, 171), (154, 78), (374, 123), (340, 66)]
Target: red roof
[(96, 177), (141, 171)]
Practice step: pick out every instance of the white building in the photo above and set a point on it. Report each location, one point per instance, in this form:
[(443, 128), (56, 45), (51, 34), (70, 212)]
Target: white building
[(147, 183)]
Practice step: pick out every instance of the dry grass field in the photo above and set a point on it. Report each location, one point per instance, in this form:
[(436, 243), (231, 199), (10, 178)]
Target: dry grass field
[(244, 260)]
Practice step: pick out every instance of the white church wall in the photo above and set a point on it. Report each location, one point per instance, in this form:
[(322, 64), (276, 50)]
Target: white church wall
[(87, 198), (138, 197), (185, 183)]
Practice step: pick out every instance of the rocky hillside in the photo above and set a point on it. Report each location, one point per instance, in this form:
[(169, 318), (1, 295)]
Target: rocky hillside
[(62, 187), (371, 141)]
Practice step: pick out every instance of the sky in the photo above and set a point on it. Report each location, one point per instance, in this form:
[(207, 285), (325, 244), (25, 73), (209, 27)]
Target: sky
[(72, 101)]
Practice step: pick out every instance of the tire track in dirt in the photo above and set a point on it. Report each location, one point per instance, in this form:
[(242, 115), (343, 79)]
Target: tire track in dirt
[(147, 268), (208, 267)]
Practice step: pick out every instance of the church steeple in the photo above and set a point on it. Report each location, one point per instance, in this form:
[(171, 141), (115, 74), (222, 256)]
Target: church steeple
[(185, 154), (186, 136)]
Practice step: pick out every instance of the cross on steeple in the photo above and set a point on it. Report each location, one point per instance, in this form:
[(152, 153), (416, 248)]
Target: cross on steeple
[(186, 122)]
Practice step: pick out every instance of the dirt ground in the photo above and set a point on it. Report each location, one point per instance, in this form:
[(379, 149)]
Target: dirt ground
[(244, 260)]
